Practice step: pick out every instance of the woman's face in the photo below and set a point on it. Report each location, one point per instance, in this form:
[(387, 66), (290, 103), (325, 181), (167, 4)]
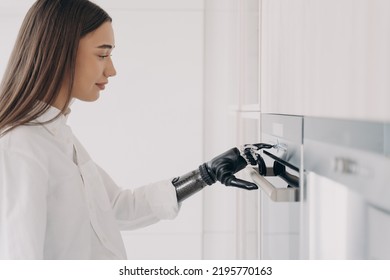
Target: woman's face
[(93, 63)]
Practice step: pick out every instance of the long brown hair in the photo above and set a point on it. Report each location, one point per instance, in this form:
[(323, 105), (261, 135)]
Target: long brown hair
[(44, 56)]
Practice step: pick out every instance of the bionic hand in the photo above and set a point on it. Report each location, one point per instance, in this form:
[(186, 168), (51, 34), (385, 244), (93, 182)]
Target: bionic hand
[(221, 168)]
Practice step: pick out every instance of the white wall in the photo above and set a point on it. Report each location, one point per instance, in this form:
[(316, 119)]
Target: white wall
[(11, 16), (147, 125)]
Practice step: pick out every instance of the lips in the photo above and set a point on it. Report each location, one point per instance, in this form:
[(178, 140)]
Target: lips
[(101, 86)]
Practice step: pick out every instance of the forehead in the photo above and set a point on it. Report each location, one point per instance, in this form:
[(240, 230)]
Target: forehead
[(102, 36)]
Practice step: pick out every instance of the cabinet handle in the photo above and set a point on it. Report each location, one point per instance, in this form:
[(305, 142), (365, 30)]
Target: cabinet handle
[(290, 194)]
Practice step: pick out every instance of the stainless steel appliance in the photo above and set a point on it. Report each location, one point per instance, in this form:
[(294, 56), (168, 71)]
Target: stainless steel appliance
[(332, 198), (347, 189), (279, 197)]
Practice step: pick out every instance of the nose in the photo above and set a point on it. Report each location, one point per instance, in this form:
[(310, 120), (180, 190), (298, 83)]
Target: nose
[(110, 70)]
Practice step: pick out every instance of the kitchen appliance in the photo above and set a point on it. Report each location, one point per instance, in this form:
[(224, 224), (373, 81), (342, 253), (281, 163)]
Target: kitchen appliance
[(280, 191), (347, 171), (326, 192)]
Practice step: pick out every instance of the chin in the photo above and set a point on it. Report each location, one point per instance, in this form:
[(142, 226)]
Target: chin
[(87, 95), (94, 99), (90, 98)]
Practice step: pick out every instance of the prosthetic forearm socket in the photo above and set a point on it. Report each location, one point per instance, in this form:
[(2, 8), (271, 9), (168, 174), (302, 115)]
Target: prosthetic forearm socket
[(188, 184)]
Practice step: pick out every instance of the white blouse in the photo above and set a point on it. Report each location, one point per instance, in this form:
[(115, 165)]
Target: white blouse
[(56, 203)]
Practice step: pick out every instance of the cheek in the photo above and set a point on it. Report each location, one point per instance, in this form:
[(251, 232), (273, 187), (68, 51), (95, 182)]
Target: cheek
[(81, 86), (86, 75), (84, 87)]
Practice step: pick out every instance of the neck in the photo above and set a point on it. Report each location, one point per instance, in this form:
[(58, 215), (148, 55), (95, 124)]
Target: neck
[(60, 102)]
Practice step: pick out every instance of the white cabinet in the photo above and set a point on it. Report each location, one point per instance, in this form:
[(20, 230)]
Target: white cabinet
[(326, 58), (336, 220), (248, 55), (282, 55), (232, 117), (248, 229), (347, 58)]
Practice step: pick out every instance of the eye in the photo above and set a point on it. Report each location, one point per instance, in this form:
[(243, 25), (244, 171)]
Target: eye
[(102, 57)]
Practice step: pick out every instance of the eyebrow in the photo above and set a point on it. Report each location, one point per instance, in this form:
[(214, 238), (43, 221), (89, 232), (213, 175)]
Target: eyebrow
[(105, 46)]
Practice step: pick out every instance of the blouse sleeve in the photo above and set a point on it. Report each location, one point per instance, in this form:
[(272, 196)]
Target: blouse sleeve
[(23, 206), (142, 206)]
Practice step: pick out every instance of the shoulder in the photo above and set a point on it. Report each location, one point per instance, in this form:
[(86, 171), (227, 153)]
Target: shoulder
[(28, 140)]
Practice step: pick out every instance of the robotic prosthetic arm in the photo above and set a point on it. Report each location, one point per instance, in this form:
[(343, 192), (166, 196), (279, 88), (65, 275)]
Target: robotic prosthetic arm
[(221, 168)]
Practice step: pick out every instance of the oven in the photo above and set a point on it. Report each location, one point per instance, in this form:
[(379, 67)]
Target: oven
[(279, 230), (326, 190)]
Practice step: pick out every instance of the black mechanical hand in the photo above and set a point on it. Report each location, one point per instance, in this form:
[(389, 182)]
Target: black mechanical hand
[(223, 168)]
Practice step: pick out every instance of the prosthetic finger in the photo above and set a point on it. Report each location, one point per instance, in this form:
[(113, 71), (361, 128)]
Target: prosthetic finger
[(242, 184)]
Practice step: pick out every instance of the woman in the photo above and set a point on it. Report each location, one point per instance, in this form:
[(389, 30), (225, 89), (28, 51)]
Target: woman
[(55, 202)]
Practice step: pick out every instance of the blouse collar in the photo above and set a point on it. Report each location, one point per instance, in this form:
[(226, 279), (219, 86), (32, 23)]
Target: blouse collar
[(47, 119)]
